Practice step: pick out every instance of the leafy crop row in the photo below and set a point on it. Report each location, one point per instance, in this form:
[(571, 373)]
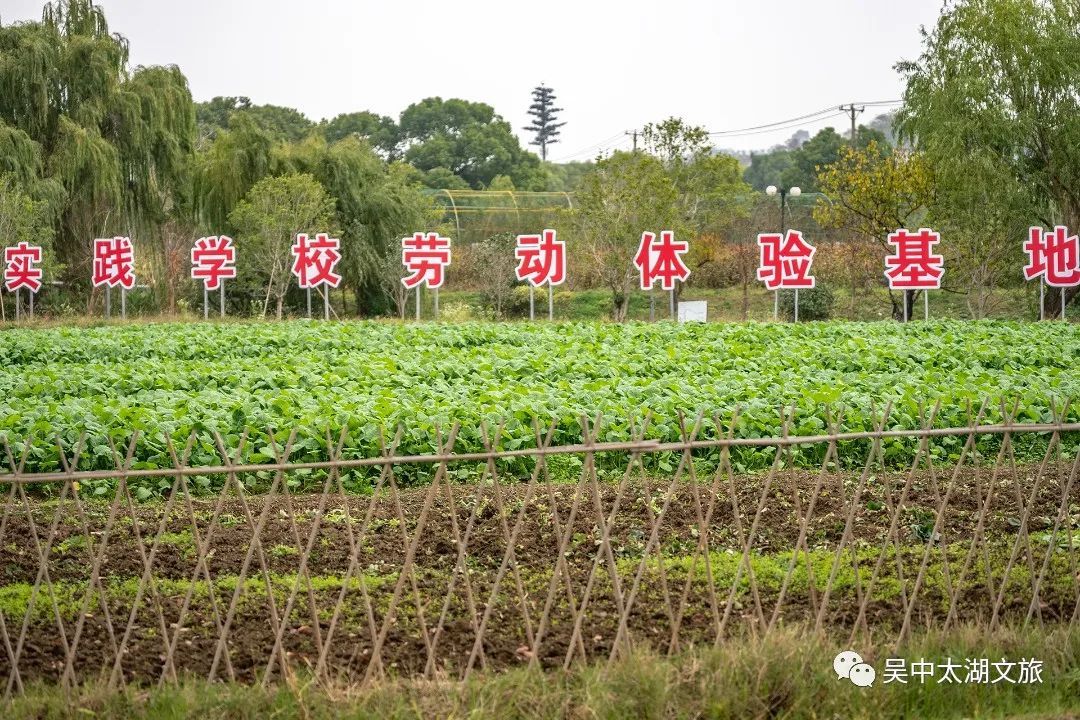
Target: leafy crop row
[(368, 376)]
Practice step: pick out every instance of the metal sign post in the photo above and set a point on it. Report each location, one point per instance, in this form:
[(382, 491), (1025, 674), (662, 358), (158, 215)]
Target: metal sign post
[(551, 302), (425, 255)]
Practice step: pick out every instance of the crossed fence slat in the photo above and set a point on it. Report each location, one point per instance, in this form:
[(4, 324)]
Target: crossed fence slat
[(534, 569)]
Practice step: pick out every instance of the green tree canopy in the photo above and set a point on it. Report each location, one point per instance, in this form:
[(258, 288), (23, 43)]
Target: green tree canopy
[(109, 146), (282, 123), (380, 131), (470, 140), (624, 195), (993, 100), (267, 221), (788, 167)]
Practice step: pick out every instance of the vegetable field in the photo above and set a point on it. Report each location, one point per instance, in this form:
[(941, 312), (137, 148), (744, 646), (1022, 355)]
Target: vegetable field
[(370, 377)]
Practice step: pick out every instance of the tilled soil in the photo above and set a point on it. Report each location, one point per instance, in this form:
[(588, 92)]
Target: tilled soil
[(561, 591)]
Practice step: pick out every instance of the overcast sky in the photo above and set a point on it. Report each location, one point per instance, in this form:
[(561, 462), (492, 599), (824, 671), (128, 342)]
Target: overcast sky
[(614, 65)]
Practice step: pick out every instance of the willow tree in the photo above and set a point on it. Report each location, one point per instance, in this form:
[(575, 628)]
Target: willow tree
[(992, 102), (375, 206), (107, 145)]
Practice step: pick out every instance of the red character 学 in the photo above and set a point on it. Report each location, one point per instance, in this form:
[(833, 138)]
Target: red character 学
[(19, 271), (114, 262), (661, 260), (914, 266), (541, 259), (213, 259), (315, 259), (785, 261), (425, 256), (1054, 255)]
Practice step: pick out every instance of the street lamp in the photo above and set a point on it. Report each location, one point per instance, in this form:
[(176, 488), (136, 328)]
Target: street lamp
[(795, 191), (772, 190)]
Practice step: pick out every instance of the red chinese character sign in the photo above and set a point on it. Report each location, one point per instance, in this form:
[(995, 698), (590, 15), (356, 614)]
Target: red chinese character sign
[(784, 264), (21, 271), (541, 261), (213, 260), (1053, 256), (425, 256), (314, 260), (913, 265), (661, 259), (114, 266)]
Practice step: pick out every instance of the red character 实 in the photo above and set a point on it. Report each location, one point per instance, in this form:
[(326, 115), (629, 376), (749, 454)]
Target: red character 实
[(914, 266), (785, 261), (213, 259), (315, 259), (661, 260), (114, 262), (425, 256), (541, 259), (20, 271), (1053, 255)]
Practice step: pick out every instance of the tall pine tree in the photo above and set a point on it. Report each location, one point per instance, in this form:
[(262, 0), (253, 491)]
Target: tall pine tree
[(545, 115)]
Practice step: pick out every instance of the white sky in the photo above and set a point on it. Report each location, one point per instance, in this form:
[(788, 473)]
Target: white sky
[(614, 65)]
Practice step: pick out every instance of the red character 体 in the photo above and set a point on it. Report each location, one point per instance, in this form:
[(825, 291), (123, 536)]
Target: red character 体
[(541, 259), (20, 271), (425, 256), (1054, 255), (213, 259), (114, 262), (315, 260), (914, 266), (661, 260), (785, 261)]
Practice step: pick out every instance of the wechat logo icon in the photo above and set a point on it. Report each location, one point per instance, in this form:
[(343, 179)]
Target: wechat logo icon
[(849, 665)]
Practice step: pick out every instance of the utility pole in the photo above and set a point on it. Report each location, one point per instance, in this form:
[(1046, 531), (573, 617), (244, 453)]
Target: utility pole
[(633, 134), (852, 110)]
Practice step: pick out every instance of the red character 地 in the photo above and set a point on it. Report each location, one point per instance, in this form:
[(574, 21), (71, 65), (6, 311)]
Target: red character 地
[(1054, 255), (213, 259), (315, 259), (541, 259), (114, 262), (661, 260), (785, 261), (425, 256), (20, 270), (914, 266)]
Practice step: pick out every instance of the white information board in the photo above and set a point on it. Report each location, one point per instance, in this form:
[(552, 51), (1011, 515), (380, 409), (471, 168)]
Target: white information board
[(693, 311)]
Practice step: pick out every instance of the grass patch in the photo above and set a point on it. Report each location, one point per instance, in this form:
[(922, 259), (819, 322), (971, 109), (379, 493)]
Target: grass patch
[(788, 675)]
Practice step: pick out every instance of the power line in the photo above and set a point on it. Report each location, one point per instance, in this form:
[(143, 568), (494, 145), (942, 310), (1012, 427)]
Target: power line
[(784, 124), (778, 128), (780, 125), (771, 125), (605, 141)]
